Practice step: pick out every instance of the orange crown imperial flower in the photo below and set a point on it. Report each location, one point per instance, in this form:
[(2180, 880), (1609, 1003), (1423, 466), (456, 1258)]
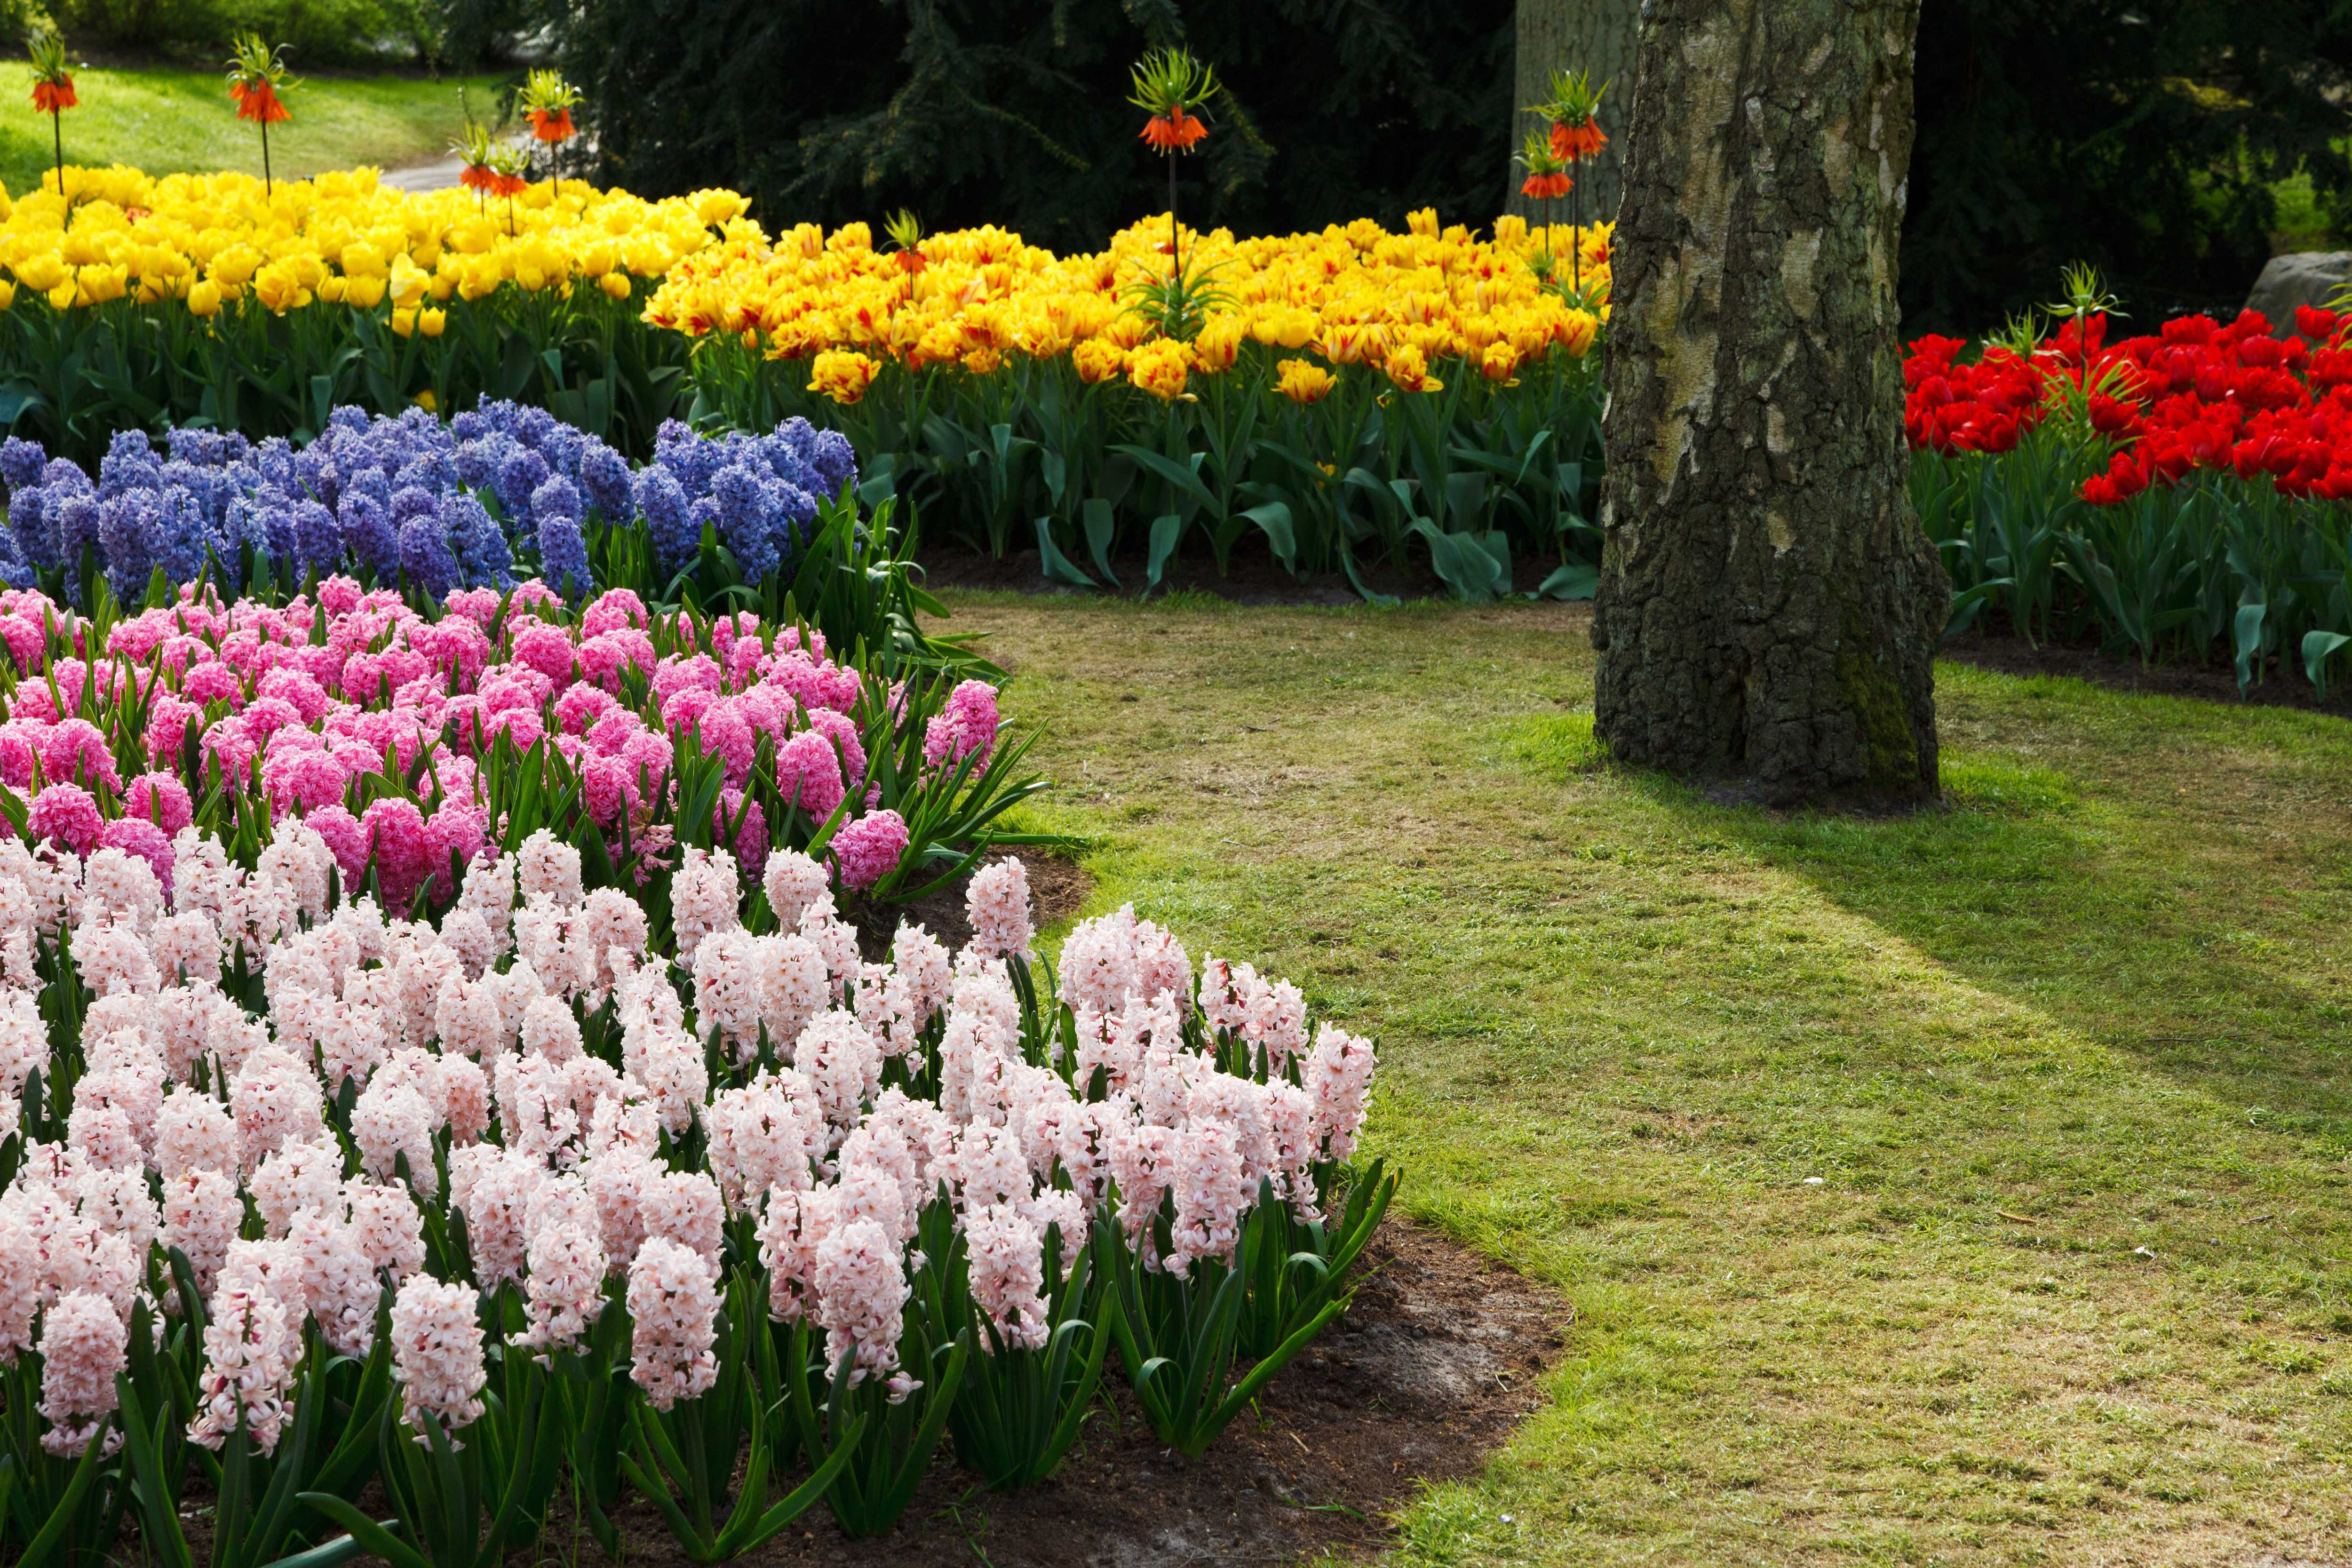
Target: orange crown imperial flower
[(1170, 86), (1572, 141), (53, 85), (1546, 172), (259, 103), (256, 75), (1572, 107), (1179, 132), (549, 100)]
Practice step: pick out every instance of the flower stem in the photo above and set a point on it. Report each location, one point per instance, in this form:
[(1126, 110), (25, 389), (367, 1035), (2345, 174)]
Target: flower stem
[(265, 160), (56, 124)]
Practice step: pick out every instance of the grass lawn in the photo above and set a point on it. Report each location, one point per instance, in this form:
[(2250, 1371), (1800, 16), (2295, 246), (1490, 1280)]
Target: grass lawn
[(170, 121), (2075, 1283)]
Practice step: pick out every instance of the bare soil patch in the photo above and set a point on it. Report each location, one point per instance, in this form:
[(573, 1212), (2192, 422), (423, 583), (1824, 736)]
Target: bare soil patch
[(1058, 889)]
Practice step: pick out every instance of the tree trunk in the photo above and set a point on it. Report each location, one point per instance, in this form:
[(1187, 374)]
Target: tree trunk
[(1592, 36), (1769, 607)]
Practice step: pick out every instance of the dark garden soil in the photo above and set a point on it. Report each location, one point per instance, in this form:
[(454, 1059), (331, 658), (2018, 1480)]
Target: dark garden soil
[(1057, 887), (1442, 1354), (2281, 687)]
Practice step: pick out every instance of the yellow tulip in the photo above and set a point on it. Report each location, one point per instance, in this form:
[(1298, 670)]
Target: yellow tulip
[(203, 298)]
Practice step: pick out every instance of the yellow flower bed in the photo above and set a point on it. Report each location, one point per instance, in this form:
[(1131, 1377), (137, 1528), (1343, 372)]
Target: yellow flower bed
[(211, 240), (1356, 294)]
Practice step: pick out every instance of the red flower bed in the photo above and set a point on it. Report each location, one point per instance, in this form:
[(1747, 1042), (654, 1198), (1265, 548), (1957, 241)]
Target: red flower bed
[(2197, 394)]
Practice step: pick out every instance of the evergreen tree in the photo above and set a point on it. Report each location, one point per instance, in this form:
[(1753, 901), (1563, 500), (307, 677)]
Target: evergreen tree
[(1013, 112)]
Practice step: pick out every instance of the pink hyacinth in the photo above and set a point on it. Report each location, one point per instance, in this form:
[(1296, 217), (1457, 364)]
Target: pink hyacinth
[(77, 750), (965, 727), (161, 799), (403, 858), (65, 814), (436, 1352), (870, 848), (808, 774), (674, 1308)]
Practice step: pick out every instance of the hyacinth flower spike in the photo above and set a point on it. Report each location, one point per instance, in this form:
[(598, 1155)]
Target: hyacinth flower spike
[(52, 92), (548, 101), (257, 76), (1573, 106)]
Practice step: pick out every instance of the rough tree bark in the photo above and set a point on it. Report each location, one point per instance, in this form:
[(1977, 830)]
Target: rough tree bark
[(1769, 607), (1594, 36)]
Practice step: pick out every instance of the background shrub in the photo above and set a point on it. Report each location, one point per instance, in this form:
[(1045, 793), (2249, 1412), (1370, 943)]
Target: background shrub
[(1013, 111)]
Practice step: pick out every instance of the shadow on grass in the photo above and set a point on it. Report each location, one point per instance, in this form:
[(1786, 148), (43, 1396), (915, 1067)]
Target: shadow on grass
[(2078, 900)]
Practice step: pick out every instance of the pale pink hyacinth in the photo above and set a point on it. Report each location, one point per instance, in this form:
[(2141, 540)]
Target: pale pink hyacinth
[(23, 1041), (833, 937), (674, 1308), (295, 1177), (842, 1065), (766, 1134), (685, 1207), (385, 1227), (20, 1285), (550, 1030), (275, 1099), (464, 1097), (201, 1214), (83, 1345), (1212, 1192), (726, 999), (794, 985), (468, 1019), (997, 904), (194, 1132), (337, 1282), (546, 866), (704, 895), (565, 1287), (187, 945), (436, 1353), (859, 1281), (493, 1187), (249, 1354), (793, 881), (1339, 1080), (1007, 1264), (388, 1121)]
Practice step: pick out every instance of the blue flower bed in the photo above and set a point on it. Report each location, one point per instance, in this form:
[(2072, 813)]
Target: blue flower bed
[(502, 491)]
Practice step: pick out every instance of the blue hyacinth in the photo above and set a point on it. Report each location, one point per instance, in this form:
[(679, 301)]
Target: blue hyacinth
[(563, 555), (426, 556), (449, 505)]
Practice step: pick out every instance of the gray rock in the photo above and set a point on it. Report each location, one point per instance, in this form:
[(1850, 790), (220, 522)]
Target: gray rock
[(2308, 277)]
